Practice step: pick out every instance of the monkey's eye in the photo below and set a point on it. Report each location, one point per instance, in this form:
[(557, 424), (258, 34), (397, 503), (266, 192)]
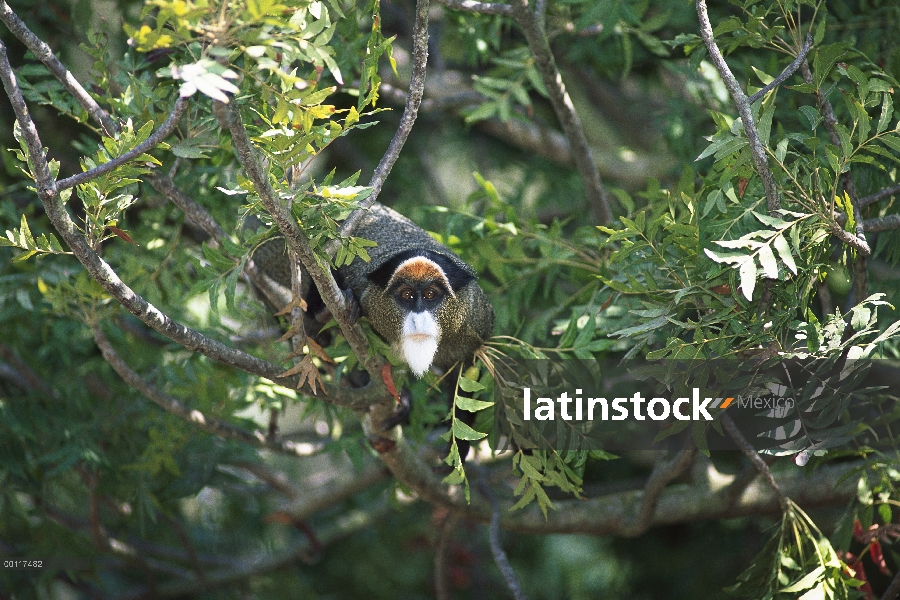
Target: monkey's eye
[(407, 294), (429, 293)]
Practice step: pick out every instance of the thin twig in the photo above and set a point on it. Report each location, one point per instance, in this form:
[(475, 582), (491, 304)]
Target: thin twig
[(195, 213), (332, 296), (773, 201), (312, 501), (487, 8), (756, 459), (565, 110), (893, 590), (407, 120), (32, 380), (858, 241), (663, 472), (44, 54), (164, 131), (790, 70), (512, 580), (98, 269), (442, 588), (201, 217), (196, 418)]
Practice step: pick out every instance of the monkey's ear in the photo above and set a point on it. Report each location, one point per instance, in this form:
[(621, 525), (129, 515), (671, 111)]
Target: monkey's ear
[(457, 276)]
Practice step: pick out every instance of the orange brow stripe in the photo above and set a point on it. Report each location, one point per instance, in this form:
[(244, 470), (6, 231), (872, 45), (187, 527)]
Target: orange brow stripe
[(420, 268)]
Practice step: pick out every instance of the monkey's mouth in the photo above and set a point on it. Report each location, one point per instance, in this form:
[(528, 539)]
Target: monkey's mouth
[(418, 337)]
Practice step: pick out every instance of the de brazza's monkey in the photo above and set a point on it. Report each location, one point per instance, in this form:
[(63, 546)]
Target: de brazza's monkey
[(417, 294)]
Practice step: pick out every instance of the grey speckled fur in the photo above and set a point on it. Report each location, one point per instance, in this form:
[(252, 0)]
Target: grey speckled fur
[(466, 321)]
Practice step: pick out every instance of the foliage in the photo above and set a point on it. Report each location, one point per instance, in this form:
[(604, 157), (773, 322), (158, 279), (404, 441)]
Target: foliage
[(696, 268)]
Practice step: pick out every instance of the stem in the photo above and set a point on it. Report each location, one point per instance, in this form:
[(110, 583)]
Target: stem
[(565, 110)]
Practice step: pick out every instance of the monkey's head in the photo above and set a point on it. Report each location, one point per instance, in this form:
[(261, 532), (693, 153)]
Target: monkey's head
[(420, 302)]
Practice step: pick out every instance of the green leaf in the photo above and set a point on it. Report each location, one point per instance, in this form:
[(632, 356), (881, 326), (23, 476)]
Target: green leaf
[(784, 251), (805, 582), (825, 58), (747, 274), (887, 113), (471, 405), (768, 262), (464, 432), (468, 385), (812, 116)]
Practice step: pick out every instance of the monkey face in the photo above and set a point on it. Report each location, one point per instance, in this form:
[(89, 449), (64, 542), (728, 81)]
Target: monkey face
[(413, 301), (419, 302)]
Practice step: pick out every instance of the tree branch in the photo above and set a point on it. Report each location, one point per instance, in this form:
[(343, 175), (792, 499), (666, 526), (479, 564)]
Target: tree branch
[(564, 109), (201, 217), (663, 473), (882, 224), (539, 139), (790, 70), (773, 201), (44, 54), (442, 589), (257, 566), (858, 241), (756, 459), (164, 131), (100, 271), (500, 558), (410, 112), (304, 506), (196, 418), (331, 294), (487, 8), (893, 590), (609, 514), (873, 198), (30, 380)]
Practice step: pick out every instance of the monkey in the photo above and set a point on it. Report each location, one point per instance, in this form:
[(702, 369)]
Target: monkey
[(417, 294)]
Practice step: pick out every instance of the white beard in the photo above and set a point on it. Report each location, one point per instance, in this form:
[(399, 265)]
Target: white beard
[(419, 340)]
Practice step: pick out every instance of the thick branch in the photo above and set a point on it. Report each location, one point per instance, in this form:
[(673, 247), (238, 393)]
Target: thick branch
[(565, 110), (882, 224), (773, 201), (164, 131), (487, 8), (410, 112), (194, 417), (331, 294), (756, 459), (609, 514), (850, 239), (44, 54)]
